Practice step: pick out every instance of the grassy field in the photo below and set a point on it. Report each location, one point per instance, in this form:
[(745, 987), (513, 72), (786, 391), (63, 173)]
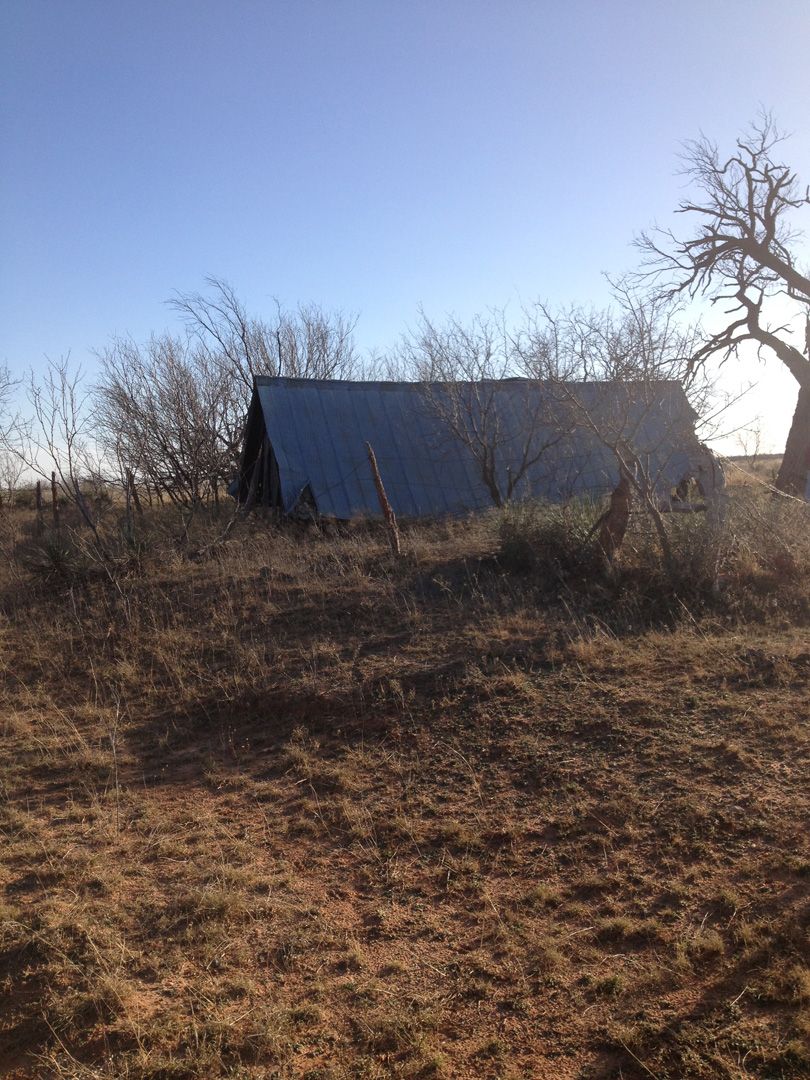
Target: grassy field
[(294, 810)]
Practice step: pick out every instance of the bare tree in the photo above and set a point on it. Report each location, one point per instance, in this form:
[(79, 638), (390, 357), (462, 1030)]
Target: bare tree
[(11, 472), (11, 467), (170, 417), (465, 371), (742, 252), (620, 373), (642, 339), (308, 343), (7, 387), (58, 439)]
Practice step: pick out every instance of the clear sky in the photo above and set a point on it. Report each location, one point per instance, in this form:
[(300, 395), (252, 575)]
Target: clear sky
[(371, 155)]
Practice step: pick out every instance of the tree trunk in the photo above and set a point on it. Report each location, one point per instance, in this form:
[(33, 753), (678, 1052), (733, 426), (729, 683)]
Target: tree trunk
[(616, 519), (792, 477)]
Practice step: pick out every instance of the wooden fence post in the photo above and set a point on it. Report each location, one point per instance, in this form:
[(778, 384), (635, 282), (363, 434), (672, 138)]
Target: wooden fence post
[(128, 512), (39, 527), (136, 502), (385, 505)]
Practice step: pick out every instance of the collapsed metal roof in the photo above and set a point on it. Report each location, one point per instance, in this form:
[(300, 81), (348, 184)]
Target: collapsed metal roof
[(316, 433)]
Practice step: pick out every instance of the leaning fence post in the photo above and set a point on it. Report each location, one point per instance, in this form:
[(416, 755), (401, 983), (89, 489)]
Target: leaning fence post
[(39, 528), (385, 505)]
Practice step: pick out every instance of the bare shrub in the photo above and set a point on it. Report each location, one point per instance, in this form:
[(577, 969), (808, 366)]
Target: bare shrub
[(171, 417), (307, 343), (462, 369), (550, 541)]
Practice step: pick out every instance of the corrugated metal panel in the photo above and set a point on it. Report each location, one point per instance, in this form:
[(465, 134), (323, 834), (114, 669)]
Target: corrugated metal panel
[(318, 430)]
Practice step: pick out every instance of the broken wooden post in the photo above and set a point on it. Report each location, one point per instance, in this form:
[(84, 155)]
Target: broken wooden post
[(616, 518), (385, 505), (81, 502), (55, 501), (128, 530), (39, 527), (136, 502)]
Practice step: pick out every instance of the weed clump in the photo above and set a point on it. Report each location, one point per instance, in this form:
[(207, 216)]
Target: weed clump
[(754, 566), (553, 542)]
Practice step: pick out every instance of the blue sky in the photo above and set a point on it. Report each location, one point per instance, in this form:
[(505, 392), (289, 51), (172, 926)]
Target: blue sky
[(371, 156)]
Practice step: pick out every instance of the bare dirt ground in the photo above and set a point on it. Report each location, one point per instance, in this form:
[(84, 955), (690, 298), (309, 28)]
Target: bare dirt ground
[(299, 812)]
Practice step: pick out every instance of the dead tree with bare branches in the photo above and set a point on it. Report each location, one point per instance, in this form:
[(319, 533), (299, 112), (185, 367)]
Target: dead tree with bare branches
[(464, 371), (57, 442), (307, 343), (169, 417), (742, 252), (640, 354)]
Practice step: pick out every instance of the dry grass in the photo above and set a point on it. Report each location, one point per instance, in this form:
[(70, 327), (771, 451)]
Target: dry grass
[(296, 811)]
